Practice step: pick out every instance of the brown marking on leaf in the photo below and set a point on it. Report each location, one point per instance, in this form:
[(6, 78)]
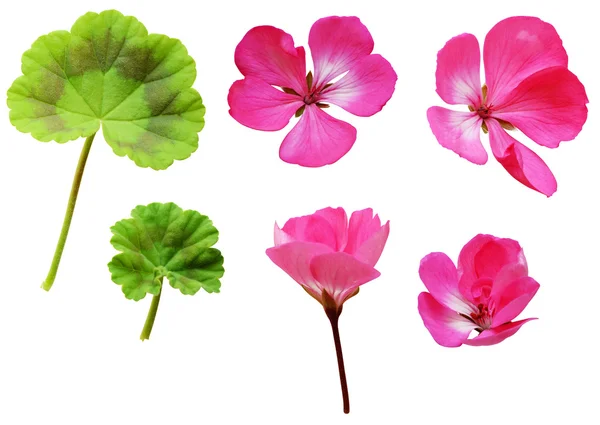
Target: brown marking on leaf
[(162, 126), (81, 58), (41, 109), (49, 89), (135, 62), (54, 123), (146, 143), (107, 49), (158, 97)]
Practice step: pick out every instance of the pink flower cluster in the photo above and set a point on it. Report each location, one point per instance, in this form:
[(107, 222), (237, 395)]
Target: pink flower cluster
[(528, 88)]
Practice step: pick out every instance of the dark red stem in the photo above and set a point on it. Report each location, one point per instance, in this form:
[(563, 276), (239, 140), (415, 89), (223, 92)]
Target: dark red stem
[(333, 318)]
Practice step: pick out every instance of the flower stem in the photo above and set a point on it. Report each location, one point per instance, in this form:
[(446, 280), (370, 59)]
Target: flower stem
[(151, 315), (333, 319), (60, 246)]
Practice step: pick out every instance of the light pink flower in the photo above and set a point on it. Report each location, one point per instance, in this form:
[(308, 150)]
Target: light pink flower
[(331, 257), (528, 87), (267, 57), (489, 289)]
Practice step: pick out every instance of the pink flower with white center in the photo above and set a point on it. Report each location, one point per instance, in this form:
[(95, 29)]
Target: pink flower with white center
[(267, 58), (331, 258), (528, 87), (485, 293)]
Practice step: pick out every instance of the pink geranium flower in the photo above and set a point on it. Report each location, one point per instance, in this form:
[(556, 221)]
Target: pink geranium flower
[(489, 289), (266, 57), (528, 87), (331, 258)]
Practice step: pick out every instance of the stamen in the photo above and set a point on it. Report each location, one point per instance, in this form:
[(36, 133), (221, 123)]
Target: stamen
[(484, 127), (289, 91), (300, 111), (482, 318), (309, 80), (505, 124), (469, 318)]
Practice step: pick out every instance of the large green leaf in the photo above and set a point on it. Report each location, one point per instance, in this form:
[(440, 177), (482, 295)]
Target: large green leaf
[(162, 240), (108, 71)]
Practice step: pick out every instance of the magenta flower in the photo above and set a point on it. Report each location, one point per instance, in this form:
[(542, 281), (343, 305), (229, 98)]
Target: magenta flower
[(266, 57), (331, 258), (489, 289), (528, 87)]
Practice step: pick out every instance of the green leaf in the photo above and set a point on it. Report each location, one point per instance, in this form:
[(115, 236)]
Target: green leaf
[(162, 240), (108, 71)]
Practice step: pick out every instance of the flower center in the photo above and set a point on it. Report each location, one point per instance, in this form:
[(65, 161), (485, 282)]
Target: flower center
[(483, 317), (311, 98), (481, 291), (484, 111)]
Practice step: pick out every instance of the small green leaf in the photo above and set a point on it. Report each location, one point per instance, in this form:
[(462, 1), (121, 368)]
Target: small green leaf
[(162, 240), (109, 72)]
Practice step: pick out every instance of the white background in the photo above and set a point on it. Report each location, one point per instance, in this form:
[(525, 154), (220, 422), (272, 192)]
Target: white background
[(261, 351)]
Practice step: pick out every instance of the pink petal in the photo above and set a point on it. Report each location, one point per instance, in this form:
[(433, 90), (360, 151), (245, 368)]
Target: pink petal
[(337, 44), (457, 74), (362, 226), (327, 226), (281, 237), (318, 139), (494, 255), (268, 53), (520, 161), (294, 258), (445, 325), (483, 257), (312, 228), (514, 299), (338, 220), (340, 274), (370, 250), (365, 89), (498, 334), (507, 275), (366, 236), (548, 106), (440, 277), (459, 132), (260, 106), (514, 49)]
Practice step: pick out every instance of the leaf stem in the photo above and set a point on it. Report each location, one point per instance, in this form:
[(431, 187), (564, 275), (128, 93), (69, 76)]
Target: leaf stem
[(151, 315), (60, 246), (333, 316)]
